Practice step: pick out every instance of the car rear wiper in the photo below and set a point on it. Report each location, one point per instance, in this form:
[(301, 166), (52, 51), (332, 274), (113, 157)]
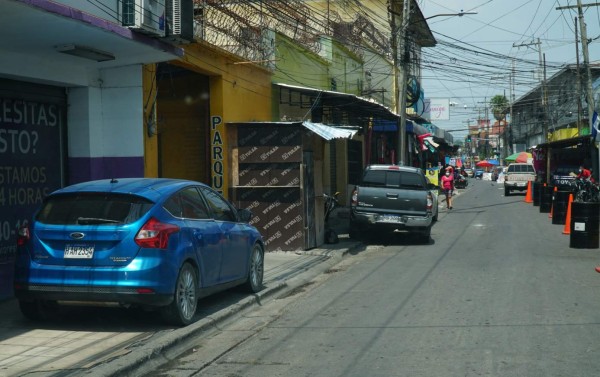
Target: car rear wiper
[(95, 220)]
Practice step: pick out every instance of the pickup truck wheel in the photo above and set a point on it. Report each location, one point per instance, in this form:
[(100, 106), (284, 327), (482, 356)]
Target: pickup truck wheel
[(425, 235)]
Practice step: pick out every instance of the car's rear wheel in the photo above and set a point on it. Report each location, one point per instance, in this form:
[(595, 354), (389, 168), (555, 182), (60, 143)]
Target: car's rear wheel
[(185, 301), (38, 310), (254, 283)]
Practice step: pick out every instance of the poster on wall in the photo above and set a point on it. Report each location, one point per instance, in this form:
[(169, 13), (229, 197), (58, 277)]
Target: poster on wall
[(30, 168)]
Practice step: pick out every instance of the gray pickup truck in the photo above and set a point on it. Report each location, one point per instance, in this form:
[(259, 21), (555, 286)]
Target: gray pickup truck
[(392, 197)]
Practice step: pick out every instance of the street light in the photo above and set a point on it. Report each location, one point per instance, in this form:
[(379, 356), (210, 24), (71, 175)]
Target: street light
[(400, 89), (459, 14)]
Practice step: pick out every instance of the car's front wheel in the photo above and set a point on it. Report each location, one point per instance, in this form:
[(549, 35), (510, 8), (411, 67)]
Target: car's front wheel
[(185, 301), (254, 283)]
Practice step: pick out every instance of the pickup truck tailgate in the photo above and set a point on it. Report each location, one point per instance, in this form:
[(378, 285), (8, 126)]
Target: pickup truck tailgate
[(392, 201)]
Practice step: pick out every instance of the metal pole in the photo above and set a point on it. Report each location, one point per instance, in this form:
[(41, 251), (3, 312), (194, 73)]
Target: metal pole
[(403, 67), (578, 80), (586, 63)]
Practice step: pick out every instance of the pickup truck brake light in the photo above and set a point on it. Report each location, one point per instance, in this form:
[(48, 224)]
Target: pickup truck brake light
[(429, 202)]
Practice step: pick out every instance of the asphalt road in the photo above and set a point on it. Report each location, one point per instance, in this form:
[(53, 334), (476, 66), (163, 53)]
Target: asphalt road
[(498, 292)]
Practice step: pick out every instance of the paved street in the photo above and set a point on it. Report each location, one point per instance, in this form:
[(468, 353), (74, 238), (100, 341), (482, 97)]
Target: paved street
[(498, 293)]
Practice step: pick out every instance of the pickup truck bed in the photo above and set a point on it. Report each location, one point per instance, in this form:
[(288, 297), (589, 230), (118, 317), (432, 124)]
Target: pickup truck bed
[(392, 197)]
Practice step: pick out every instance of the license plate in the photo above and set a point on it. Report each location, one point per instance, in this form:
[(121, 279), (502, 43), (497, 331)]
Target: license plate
[(391, 219), (521, 183), (79, 251)]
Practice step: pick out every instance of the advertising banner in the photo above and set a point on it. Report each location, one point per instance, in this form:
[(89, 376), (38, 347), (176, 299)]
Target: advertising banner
[(30, 168)]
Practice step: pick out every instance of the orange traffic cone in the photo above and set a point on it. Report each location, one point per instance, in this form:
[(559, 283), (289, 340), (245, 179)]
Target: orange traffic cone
[(552, 206), (567, 228), (528, 196)]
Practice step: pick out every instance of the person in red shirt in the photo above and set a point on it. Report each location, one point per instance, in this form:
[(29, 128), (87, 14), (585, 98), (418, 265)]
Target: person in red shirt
[(584, 173), (448, 187)]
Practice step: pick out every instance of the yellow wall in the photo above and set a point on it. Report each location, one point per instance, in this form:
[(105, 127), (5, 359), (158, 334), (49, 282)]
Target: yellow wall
[(239, 92)]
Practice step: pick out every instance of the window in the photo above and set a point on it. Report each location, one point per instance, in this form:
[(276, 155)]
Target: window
[(220, 208), (192, 204), (93, 208)]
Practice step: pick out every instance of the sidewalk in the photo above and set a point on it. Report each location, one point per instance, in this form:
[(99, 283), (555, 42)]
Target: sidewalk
[(61, 348)]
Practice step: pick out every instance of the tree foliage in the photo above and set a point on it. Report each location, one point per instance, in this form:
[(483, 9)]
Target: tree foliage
[(499, 104)]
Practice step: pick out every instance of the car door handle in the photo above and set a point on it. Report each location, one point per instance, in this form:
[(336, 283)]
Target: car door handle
[(392, 196)]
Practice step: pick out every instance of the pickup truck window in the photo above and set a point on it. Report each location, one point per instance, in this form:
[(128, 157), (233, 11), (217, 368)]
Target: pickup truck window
[(521, 169), (395, 179)]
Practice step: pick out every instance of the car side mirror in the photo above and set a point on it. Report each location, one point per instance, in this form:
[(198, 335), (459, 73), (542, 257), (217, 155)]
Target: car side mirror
[(244, 215)]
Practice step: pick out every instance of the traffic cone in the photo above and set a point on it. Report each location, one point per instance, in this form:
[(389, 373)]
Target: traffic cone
[(528, 196), (567, 228), (552, 206)]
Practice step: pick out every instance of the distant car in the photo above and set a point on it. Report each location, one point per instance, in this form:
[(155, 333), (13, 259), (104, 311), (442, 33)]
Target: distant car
[(152, 243), (496, 171), (478, 173), (469, 172)]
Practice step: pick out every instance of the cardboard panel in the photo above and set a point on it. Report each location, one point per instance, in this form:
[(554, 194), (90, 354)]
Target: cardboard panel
[(273, 135), (277, 214), (257, 154)]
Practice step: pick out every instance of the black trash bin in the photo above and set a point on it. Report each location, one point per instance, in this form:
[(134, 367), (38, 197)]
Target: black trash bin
[(537, 193), (546, 199), (585, 225), (560, 201)]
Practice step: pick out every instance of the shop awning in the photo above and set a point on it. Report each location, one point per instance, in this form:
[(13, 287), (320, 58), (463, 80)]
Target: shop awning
[(329, 132)]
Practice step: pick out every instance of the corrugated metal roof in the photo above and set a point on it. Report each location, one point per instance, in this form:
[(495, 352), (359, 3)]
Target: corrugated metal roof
[(328, 132)]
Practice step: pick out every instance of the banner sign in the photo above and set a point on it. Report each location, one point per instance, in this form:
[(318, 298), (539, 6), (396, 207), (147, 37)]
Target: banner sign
[(30, 168)]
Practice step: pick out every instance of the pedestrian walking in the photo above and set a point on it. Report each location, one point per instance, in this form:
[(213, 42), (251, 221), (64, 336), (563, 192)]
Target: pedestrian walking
[(448, 187)]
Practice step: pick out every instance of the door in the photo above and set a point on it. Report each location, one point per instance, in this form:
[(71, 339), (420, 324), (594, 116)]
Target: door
[(204, 233), (234, 245)]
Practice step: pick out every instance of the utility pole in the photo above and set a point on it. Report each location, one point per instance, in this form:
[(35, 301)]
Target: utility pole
[(543, 91), (586, 63), (579, 107), (403, 66)]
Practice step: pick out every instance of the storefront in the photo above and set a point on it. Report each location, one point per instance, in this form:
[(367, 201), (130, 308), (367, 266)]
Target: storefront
[(278, 169), (567, 153)]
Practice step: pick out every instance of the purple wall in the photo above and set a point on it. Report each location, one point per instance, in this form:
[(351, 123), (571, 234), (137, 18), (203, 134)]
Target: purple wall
[(83, 169)]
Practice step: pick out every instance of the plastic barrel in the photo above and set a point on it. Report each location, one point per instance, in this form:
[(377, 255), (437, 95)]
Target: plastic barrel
[(546, 199), (560, 202), (585, 225), (537, 193)]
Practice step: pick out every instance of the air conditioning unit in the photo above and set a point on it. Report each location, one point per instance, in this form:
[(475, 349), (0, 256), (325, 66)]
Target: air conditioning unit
[(145, 16), (179, 21)]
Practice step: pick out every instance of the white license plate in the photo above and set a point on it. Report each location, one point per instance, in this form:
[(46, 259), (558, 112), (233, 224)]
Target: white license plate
[(391, 219), (79, 251), (521, 183)]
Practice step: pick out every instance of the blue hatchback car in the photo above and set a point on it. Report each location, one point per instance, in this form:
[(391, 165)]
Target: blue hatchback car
[(153, 243)]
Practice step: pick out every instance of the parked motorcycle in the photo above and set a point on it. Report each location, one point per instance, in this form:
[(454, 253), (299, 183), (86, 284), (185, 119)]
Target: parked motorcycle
[(331, 203), (461, 183)]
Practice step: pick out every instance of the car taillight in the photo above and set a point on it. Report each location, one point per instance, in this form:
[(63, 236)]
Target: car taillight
[(354, 200), (429, 202), (23, 235), (155, 234)]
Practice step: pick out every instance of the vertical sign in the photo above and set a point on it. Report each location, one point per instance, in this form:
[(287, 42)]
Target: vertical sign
[(216, 146), (30, 168)]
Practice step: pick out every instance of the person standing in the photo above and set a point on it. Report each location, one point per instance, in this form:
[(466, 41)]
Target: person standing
[(448, 187)]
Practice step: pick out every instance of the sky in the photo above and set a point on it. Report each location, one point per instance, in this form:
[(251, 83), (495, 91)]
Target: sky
[(477, 55)]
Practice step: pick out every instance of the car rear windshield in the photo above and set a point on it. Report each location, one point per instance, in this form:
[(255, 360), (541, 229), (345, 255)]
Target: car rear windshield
[(92, 209), (525, 168), (394, 179)]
